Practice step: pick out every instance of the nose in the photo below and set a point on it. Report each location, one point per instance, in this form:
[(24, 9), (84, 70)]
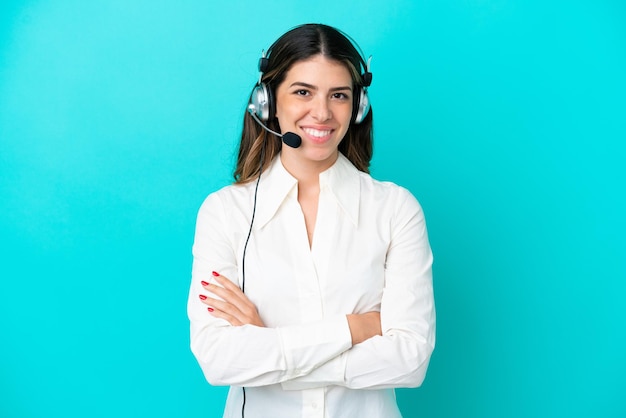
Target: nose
[(321, 110)]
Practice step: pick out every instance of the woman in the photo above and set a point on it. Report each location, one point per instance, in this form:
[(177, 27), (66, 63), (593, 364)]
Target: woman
[(311, 281)]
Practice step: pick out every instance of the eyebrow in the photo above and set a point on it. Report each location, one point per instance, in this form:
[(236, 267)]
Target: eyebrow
[(312, 87)]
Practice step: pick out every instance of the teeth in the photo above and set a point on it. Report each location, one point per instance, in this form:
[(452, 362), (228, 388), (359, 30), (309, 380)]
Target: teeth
[(316, 132)]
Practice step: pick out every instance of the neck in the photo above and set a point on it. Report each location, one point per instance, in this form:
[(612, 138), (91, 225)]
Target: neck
[(307, 172)]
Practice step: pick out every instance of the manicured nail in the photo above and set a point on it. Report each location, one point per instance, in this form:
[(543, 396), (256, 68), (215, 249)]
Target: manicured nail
[(204, 283), (202, 297), (215, 273), (210, 309)]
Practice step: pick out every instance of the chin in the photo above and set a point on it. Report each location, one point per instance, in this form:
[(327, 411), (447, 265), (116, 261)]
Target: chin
[(316, 155)]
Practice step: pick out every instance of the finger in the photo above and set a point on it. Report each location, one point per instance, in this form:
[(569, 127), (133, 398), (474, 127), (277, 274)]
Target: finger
[(207, 285), (234, 312), (232, 288), (223, 306), (240, 307), (216, 289), (226, 283), (225, 316), (223, 283), (224, 280), (239, 312)]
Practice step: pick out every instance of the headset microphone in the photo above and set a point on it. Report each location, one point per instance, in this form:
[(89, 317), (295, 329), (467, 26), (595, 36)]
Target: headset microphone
[(293, 140), (289, 138)]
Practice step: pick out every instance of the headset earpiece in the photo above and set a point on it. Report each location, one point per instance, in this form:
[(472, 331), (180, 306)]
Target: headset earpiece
[(362, 106), (261, 102)]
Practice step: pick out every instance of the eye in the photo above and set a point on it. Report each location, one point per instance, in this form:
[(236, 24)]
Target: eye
[(340, 96), (301, 92)]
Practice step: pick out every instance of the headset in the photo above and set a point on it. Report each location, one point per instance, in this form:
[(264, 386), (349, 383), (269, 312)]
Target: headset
[(262, 104)]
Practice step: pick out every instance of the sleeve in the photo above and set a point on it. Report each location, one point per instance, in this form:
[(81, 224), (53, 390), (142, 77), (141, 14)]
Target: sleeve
[(400, 357), (249, 355)]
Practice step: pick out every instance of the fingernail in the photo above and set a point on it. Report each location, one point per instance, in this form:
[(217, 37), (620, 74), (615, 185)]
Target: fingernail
[(210, 309), (215, 273), (202, 297), (204, 283)]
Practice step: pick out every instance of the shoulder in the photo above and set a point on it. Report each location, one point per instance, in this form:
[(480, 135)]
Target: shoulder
[(232, 196), (388, 193), (371, 191), (394, 206)]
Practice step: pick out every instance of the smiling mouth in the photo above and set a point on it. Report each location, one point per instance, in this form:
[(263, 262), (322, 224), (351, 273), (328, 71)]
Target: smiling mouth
[(317, 133)]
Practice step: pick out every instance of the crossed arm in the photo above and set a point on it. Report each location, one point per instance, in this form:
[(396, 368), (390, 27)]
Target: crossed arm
[(235, 308)]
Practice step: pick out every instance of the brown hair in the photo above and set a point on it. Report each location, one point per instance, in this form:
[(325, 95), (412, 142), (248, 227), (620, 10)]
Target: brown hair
[(299, 44)]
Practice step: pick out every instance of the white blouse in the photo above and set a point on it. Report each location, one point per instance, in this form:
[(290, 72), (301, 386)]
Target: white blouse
[(370, 252)]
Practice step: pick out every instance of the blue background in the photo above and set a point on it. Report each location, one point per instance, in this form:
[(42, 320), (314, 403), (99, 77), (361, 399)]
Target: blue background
[(507, 120)]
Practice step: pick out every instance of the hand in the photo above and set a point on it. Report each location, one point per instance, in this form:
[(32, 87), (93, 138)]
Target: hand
[(364, 326), (235, 307)]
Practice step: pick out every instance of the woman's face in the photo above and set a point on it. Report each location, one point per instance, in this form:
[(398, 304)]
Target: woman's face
[(315, 102)]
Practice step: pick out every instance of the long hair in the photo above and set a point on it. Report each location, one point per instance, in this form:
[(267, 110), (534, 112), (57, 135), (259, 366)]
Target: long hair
[(298, 44)]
